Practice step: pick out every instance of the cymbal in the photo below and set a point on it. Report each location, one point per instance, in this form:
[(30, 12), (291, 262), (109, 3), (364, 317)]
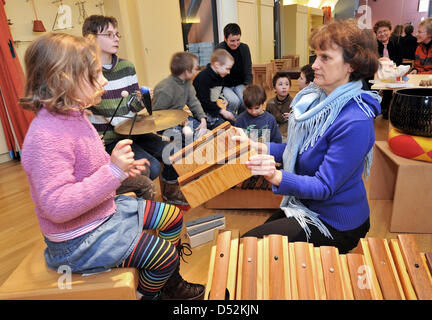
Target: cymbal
[(158, 121)]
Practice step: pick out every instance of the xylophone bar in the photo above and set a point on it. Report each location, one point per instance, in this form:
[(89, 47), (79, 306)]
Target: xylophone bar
[(274, 269)]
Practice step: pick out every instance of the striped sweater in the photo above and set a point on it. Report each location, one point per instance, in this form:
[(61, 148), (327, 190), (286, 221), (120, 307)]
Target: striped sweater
[(122, 76)]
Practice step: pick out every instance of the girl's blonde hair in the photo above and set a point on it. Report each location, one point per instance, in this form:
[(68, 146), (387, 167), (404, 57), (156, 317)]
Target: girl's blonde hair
[(57, 67), (221, 56)]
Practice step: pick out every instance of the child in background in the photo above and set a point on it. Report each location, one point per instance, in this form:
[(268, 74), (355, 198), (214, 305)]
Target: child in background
[(280, 105), (121, 76), (257, 123), (307, 75), (73, 179), (208, 86), (176, 91)]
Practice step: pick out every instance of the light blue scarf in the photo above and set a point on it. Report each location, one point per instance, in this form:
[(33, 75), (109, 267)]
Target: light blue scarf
[(313, 112)]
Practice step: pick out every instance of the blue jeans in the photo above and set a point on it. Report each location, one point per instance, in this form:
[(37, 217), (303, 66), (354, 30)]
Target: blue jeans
[(178, 135), (105, 247), (234, 96)]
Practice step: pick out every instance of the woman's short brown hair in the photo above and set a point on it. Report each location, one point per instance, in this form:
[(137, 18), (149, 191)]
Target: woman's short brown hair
[(359, 46), (382, 23), (181, 62), (57, 66), (427, 24)]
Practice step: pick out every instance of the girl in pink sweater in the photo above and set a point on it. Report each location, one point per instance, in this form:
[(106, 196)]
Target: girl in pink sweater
[(73, 180)]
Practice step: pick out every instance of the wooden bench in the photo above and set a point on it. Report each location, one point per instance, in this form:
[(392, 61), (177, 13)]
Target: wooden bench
[(32, 279), (408, 183)]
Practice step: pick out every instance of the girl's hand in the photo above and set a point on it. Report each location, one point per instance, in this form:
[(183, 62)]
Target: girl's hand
[(122, 155), (265, 165), (138, 166)]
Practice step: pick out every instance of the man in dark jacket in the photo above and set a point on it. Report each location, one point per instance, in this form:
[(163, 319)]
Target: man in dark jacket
[(241, 72), (408, 43)]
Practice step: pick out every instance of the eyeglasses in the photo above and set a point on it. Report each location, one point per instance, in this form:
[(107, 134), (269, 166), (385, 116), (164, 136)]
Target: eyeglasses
[(110, 35)]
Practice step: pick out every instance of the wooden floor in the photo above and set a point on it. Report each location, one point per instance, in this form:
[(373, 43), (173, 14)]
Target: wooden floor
[(19, 229)]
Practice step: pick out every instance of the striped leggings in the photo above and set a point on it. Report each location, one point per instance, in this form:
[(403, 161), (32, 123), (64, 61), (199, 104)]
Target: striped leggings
[(156, 257)]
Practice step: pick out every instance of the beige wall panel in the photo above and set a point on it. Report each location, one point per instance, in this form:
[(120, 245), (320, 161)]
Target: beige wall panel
[(248, 17), (266, 45)]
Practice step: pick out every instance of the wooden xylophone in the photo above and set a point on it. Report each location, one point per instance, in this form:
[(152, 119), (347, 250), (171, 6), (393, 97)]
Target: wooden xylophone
[(211, 165), (274, 269)]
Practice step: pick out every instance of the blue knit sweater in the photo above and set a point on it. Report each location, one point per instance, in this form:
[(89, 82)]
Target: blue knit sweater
[(328, 177)]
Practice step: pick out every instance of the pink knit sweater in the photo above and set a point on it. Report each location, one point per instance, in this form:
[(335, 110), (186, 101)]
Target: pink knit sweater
[(71, 182)]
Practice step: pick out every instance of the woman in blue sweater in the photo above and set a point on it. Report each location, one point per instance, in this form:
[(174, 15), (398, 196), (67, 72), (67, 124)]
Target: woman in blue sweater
[(329, 145)]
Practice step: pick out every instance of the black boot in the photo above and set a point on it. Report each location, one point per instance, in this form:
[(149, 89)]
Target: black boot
[(171, 192), (176, 288)]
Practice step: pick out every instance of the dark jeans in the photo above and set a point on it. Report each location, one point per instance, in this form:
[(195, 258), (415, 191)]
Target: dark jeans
[(140, 153), (280, 224), (150, 146), (387, 96)]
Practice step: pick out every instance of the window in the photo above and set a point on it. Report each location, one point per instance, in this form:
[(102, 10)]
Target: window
[(199, 26)]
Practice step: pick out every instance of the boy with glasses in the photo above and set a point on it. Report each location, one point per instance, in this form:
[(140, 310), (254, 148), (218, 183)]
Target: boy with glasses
[(121, 76)]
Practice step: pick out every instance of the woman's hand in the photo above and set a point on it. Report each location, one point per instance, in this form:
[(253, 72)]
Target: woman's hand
[(265, 165), (242, 137)]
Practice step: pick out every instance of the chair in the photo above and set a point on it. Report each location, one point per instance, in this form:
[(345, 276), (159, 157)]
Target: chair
[(33, 280)]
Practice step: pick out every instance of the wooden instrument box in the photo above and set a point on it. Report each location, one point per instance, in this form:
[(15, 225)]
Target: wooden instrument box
[(211, 165)]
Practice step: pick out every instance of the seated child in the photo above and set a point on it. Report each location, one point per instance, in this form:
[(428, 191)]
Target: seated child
[(176, 91), (280, 105), (73, 179), (307, 75), (257, 123), (208, 86)]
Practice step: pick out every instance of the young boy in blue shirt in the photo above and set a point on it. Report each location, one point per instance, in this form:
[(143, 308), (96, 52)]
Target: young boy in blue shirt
[(257, 123)]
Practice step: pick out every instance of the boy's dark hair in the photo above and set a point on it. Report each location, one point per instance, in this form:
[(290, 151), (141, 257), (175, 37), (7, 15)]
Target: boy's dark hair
[(181, 62), (97, 23), (231, 28), (409, 29), (281, 74), (254, 95), (308, 72)]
